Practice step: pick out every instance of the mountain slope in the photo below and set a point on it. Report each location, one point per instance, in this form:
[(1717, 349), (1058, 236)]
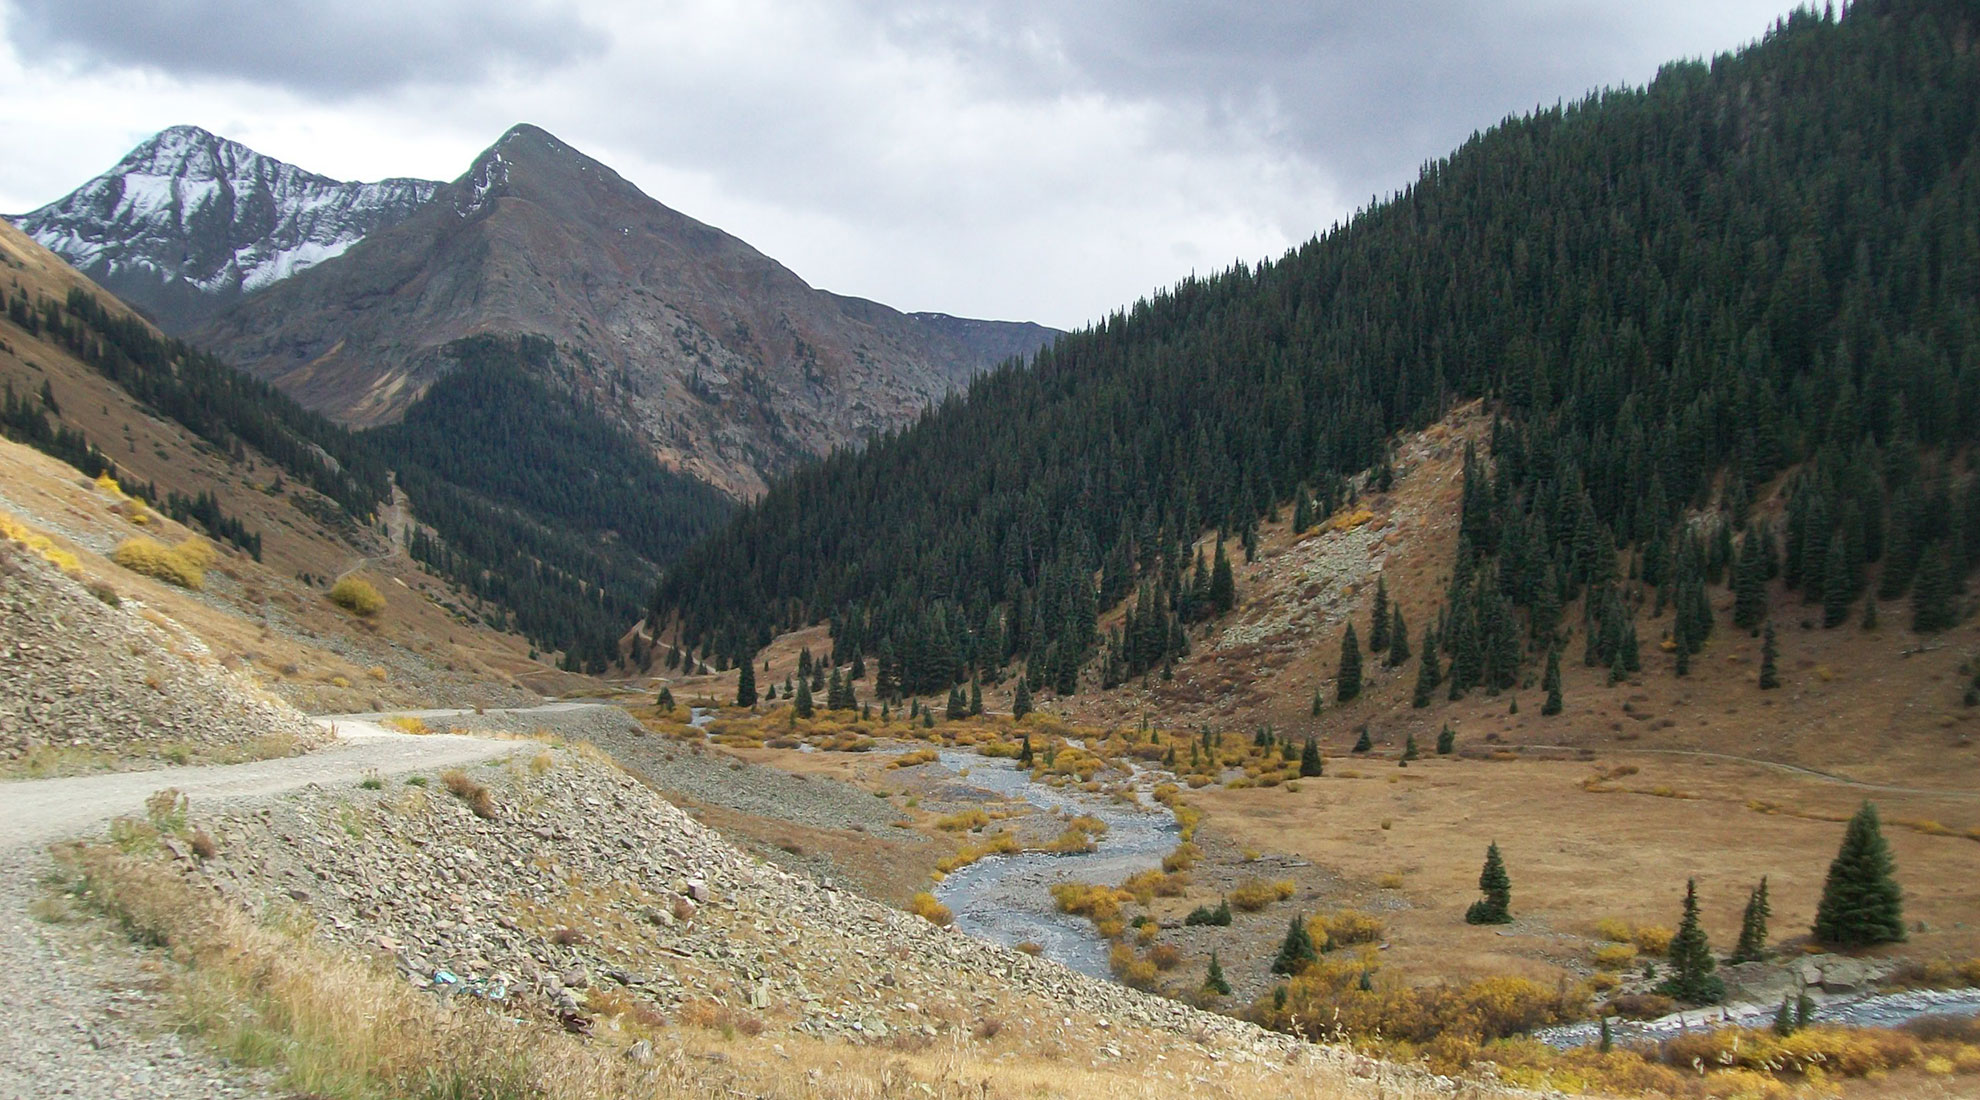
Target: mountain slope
[(729, 364), (1674, 295), (188, 222)]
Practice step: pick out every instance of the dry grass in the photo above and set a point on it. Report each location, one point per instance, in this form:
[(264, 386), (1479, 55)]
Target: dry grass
[(925, 906), (478, 798), (407, 723)]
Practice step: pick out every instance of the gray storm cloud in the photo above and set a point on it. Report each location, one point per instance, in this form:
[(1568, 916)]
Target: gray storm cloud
[(337, 49)]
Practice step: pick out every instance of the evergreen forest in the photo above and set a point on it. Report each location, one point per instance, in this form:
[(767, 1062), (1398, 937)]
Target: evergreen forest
[(1757, 273)]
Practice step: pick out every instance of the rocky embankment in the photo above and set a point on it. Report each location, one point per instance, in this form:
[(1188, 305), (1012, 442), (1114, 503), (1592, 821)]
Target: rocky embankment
[(90, 684), (570, 890)]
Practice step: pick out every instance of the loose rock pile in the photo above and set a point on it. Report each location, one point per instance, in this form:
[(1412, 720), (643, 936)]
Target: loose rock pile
[(580, 890), (79, 674)]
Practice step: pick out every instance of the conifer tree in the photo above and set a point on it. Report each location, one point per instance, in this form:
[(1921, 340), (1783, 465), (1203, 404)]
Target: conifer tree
[(746, 684), (1309, 759), (1363, 743), (1770, 676), (1319, 701), (665, 700), (1021, 702), (1496, 906), (1692, 978), (1551, 682), (1861, 903), (958, 707), (1024, 753), (1409, 747), (1398, 637), (1784, 1017), (1750, 584), (1296, 951), (1347, 684), (1378, 617), (1223, 587), (1933, 607), (803, 705), (975, 698), (1427, 675), (1214, 981), (1752, 944), (1838, 584), (1446, 741)]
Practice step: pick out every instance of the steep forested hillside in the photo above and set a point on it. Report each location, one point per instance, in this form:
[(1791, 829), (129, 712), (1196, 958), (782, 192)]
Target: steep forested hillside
[(541, 504), (1672, 296)]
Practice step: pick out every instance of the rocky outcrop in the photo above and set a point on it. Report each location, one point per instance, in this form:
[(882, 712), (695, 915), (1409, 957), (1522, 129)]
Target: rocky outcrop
[(84, 684)]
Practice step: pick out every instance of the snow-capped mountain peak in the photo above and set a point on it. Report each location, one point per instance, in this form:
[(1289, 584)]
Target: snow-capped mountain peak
[(188, 221)]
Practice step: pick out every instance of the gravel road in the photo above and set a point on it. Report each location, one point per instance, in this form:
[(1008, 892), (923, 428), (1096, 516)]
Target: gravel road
[(80, 1019)]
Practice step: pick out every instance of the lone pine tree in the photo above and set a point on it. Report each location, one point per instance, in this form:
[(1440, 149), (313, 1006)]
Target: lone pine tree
[(1861, 903), (1021, 702), (803, 707), (1446, 741), (746, 684), (1496, 906), (1691, 960), (1347, 685), (1398, 638), (1363, 743), (1427, 674), (1552, 683), (1309, 759)]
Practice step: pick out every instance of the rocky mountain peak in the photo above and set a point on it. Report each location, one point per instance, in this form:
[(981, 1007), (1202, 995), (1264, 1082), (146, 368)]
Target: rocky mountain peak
[(188, 221)]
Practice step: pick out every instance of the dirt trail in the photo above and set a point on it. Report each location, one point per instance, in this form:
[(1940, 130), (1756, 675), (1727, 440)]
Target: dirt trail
[(38, 811), (80, 1020), (1791, 769)]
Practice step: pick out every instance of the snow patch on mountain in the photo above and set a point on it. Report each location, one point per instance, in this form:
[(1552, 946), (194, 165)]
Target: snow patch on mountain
[(191, 207)]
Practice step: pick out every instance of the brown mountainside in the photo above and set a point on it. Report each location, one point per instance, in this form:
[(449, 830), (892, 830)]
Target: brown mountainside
[(731, 365)]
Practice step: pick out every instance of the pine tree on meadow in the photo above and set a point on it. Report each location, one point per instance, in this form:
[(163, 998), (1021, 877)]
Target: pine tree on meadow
[(1021, 702), (746, 684), (1309, 759), (1861, 903), (1551, 682), (1752, 944), (1496, 906), (1692, 978), (1446, 741), (803, 706)]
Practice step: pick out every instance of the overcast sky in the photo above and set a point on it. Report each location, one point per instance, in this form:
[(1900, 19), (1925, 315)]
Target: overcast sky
[(1037, 159)]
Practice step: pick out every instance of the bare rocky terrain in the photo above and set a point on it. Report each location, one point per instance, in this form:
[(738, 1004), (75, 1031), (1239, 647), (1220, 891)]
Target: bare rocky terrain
[(108, 685)]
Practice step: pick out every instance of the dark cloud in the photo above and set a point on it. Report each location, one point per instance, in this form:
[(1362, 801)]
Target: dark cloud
[(1369, 90), (338, 49)]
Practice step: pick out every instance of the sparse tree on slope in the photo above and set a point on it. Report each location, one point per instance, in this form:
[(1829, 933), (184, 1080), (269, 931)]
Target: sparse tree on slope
[(1861, 903), (1378, 617), (1214, 981), (804, 708), (1021, 703), (1347, 685), (1770, 674), (1398, 637), (1552, 683), (1296, 951), (746, 684), (1309, 759)]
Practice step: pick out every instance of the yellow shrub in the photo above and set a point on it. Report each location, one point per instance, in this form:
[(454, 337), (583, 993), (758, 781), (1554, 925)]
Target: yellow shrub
[(1182, 858), (1347, 927), (1614, 956), (1090, 900), (407, 723), (925, 906), (183, 565), (1613, 928), (355, 594), (910, 759), (1252, 894), (967, 819), (1652, 939)]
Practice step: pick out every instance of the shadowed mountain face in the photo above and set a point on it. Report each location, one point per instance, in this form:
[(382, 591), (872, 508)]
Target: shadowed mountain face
[(727, 362), (189, 222)]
